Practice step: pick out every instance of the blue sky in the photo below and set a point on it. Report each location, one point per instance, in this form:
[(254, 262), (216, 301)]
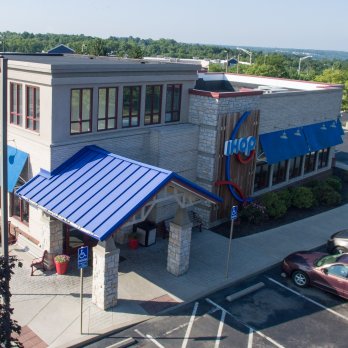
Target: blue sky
[(315, 24)]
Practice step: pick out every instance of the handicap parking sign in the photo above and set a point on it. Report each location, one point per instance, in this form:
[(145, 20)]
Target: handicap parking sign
[(82, 257), (234, 212)]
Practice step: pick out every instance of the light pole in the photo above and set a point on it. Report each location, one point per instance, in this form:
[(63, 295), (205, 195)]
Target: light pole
[(247, 52), (226, 60), (299, 64)]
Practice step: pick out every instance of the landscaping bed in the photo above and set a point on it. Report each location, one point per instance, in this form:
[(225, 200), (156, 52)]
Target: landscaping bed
[(244, 228)]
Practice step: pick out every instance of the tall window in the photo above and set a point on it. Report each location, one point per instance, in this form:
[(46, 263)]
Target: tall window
[(279, 172), (262, 173), (131, 106), (309, 165), (173, 103), (153, 105), (32, 119), (107, 108), (20, 209), (16, 103), (323, 158), (81, 110), (295, 167)]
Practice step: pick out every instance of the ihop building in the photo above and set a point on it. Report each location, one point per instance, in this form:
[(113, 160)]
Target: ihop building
[(99, 144)]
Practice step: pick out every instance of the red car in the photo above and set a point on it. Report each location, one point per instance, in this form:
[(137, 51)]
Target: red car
[(328, 272)]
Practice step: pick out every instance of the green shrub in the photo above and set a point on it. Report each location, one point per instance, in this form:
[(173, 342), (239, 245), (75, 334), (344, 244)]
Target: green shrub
[(326, 195), (254, 213), (335, 182), (275, 207), (302, 197), (313, 183), (285, 196)]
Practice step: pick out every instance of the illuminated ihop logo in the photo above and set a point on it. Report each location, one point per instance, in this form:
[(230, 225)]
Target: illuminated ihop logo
[(244, 149)]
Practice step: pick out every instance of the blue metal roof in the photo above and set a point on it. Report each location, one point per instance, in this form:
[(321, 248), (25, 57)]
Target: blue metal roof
[(97, 191), (15, 162)]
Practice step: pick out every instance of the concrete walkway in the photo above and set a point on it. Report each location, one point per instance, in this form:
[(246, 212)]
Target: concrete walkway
[(49, 304)]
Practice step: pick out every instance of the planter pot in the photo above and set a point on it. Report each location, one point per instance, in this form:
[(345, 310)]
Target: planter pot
[(133, 244), (61, 268)]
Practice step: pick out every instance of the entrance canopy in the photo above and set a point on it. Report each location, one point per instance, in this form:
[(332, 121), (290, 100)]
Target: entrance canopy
[(98, 192)]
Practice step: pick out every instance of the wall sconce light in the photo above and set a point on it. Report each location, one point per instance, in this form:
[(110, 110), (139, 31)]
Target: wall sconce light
[(284, 136), (323, 127), (333, 124)]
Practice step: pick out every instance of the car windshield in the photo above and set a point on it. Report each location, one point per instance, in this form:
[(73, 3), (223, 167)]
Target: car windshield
[(325, 260)]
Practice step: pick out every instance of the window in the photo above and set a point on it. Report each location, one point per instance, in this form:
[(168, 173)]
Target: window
[(16, 104), (33, 108), (81, 111), (153, 105), (338, 271), (20, 209), (107, 108), (309, 165), (262, 173), (323, 158), (173, 103), (279, 172), (295, 167), (131, 106)]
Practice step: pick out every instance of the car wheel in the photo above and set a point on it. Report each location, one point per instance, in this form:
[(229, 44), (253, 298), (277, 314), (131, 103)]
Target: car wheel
[(300, 279), (339, 250)]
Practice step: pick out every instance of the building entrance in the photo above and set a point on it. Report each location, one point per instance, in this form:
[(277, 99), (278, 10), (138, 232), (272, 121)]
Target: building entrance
[(74, 239)]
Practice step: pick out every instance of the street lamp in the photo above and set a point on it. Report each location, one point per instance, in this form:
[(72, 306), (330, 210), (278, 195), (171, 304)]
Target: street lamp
[(226, 59), (299, 64), (247, 52)]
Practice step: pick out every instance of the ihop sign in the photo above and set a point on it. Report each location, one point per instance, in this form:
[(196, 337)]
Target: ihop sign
[(241, 145)]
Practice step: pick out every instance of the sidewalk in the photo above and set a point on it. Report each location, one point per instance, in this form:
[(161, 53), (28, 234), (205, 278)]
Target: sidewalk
[(49, 304)]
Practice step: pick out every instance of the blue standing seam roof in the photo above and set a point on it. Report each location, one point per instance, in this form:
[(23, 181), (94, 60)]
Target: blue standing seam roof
[(15, 162), (97, 191)]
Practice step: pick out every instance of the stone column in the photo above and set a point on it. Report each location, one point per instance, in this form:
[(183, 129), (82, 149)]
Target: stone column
[(179, 243), (105, 274)]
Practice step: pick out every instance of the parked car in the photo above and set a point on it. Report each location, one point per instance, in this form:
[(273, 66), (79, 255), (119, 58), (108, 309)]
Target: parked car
[(325, 271), (338, 242)]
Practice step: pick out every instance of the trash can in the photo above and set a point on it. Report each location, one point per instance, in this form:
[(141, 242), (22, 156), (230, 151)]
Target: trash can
[(146, 232)]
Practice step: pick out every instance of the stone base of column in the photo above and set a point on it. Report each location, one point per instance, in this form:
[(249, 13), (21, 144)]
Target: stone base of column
[(105, 274), (179, 248)]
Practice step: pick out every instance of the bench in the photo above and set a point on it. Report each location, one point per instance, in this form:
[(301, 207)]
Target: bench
[(39, 263), (195, 220)]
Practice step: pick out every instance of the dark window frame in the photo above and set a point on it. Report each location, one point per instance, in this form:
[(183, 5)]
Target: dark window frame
[(279, 172), (16, 117), (172, 109), (35, 118), (107, 117), (22, 203), (309, 165), (80, 121), (323, 158), (263, 176), (130, 115), (292, 167), (151, 114)]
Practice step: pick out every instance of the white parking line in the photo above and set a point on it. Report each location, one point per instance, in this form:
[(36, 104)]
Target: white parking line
[(245, 324), (250, 338), (308, 299), (221, 325), (188, 331), (149, 337)]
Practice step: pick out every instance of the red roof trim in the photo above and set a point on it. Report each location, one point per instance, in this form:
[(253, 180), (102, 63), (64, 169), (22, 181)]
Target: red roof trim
[(219, 95)]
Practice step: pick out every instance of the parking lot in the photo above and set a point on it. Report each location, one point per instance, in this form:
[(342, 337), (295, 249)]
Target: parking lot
[(278, 314)]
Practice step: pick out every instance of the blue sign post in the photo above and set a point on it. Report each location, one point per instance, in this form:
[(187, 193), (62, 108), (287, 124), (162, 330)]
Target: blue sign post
[(82, 262), (234, 216)]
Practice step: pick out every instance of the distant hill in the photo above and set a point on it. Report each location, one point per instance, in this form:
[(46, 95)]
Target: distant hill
[(316, 54)]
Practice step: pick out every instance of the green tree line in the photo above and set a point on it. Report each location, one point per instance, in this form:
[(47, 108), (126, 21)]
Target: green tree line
[(264, 63)]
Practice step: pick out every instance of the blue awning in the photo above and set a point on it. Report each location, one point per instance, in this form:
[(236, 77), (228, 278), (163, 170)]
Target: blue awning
[(322, 135), (282, 145), (97, 191), (15, 162)]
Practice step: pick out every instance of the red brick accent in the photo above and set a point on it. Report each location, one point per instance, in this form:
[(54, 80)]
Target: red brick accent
[(30, 339)]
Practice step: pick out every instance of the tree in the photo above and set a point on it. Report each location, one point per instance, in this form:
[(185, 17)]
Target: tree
[(135, 52), (97, 47), (7, 325)]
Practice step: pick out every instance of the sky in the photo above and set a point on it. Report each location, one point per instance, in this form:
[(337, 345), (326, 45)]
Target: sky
[(313, 24)]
